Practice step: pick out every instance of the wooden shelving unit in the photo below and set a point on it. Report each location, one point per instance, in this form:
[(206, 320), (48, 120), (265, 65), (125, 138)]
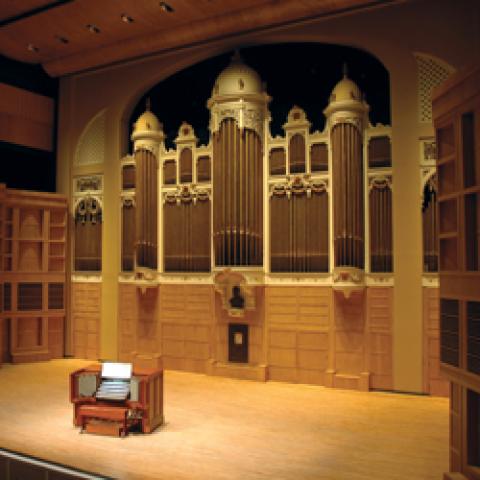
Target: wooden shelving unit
[(456, 107), (33, 250)]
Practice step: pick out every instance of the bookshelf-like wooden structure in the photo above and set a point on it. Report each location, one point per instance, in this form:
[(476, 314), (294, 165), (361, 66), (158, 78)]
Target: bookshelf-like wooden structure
[(456, 107), (33, 229)]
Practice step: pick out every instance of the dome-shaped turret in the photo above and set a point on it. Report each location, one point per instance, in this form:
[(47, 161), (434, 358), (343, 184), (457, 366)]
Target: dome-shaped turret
[(237, 79), (345, 90), (347, 97), (147, 129), (147, 121)]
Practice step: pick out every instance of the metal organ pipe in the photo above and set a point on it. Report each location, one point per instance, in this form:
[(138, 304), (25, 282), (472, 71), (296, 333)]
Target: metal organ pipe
[(146, 210), (348, 195), (237, 190)]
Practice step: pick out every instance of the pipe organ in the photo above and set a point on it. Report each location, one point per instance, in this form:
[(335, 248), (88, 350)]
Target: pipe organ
[(215, 201), (298, 226)]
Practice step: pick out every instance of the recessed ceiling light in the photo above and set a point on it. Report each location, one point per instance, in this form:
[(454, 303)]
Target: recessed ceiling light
[(93, 28), (32, 48), (166, 7), (62, 39), (126, 18)]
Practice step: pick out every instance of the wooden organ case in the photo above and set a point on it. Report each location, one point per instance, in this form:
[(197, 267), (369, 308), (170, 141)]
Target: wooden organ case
[(110, 399)]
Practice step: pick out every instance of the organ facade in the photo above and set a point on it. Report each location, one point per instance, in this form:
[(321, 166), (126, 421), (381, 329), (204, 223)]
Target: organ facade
[(275, 250)]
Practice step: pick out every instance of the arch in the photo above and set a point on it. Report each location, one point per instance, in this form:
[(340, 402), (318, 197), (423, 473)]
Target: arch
[(186, 165), (88, 235), (91, 144), (296, 154), (188, 60)]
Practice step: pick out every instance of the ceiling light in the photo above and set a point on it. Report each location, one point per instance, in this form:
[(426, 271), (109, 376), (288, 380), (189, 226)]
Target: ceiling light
[(166, 7), (62, 39), (126, 18), (93, 28), (32, 48)]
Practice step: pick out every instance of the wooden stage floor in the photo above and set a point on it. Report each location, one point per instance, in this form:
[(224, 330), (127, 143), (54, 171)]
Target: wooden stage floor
[(218, 428)]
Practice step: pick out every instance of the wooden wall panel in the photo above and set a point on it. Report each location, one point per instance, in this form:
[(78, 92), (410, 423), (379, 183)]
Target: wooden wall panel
[(380, 321), (147, 332), (56, 337), (297, 340), (433, 381), (26, 118), (456, 404), (350, 343), (127, 321), (86, 314), (139, 323), (186, 315), (4, 336)]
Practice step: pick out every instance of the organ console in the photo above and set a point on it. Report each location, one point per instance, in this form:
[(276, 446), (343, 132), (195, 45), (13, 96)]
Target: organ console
[(111, 399)]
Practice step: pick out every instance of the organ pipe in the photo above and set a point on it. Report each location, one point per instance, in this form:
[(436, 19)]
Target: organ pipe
[(238, 196), (348, 195), (380, 227), (429, 223), (146, 210), (299, 230)]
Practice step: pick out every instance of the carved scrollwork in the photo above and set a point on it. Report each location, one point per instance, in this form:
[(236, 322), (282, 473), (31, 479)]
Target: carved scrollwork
[(355, 121), (88, 209), (348, 275), (299, 186), (233, 286), (128, 201), (187, 194), (91, 183), (381, 182), (253, 119)]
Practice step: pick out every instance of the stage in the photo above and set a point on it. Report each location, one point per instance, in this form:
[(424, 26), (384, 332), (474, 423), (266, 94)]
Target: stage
[(218, 428)]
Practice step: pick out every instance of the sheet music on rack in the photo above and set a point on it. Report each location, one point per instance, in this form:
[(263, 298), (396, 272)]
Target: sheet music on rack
[(115, 381)]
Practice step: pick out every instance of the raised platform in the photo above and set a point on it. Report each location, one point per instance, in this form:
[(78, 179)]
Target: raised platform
[(221, 428)]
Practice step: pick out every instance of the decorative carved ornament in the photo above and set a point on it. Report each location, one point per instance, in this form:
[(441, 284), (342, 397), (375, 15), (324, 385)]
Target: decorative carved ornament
[(380, 182), (246, 115), (147, 144), (296, 120), (88, 209), (145, 278), (234, 292), (253, 119), (187, 194), (357, 122), (186, 134), (348, 280), (298, 186), (428, 176), (128, 200), (429, 150), (92, 183)]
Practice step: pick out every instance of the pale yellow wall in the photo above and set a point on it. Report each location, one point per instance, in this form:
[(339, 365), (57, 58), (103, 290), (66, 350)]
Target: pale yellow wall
[(448, 30)]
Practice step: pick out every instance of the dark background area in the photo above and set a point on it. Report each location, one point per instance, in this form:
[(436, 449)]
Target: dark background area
[(302, 74), (20, 166), (294, 74)]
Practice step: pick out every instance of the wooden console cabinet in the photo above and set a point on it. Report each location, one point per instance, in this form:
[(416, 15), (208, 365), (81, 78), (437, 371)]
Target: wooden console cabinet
[(144, 408)]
